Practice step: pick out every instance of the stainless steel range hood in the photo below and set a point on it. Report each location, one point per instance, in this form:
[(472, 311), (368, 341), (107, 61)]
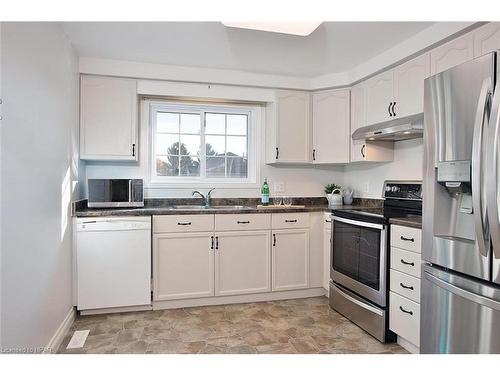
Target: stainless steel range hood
[(395, 130)]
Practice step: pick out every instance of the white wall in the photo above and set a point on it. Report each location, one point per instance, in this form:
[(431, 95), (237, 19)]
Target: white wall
[(39, 167), (368, 179)]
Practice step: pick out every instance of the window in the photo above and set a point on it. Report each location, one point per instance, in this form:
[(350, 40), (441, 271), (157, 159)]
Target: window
[(202, 143)]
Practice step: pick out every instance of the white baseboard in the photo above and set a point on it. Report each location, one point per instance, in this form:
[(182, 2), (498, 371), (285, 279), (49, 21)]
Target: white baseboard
[(408, 345), (61, 332), (242, 298)]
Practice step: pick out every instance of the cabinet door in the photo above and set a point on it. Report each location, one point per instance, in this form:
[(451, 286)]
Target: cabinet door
[(108, 118), (378, 94), (409, 86), (358, 119), (487, 39), (242, 262), (183, 266), (331, 127), (327, 238), (290, 259), (452, 54), (293, 127)]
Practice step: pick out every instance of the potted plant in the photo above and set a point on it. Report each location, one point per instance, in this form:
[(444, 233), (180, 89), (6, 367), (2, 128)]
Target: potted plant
[(334, 195)]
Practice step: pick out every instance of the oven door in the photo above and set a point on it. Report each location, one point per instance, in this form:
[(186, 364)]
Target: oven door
[(359, 258)]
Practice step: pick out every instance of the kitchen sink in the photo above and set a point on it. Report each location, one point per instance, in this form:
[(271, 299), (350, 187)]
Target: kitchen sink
[(196, 208)]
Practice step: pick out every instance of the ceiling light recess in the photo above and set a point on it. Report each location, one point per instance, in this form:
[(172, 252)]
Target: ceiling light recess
[(293, 28)]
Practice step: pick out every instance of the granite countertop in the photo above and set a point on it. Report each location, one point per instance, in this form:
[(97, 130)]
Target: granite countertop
[(247, 206), (413, 221), (148, 211)]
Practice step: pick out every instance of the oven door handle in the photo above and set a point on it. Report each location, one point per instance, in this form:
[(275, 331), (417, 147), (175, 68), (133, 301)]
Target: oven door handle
[(359, 303), (358, 223)]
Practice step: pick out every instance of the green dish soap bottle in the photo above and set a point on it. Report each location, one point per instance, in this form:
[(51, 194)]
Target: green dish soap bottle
[(264, 193)]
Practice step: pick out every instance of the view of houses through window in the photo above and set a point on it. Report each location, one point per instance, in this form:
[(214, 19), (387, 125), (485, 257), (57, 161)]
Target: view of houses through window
[(202, 144)]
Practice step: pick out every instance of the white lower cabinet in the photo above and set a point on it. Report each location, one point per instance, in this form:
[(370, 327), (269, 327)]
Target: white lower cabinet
[(183, 265), (404, 296), (242, 262), (233, 255), (404, 318), (290, 259)]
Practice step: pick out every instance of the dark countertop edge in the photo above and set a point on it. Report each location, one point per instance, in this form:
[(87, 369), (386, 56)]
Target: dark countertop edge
[(407, 222), (167, 211)]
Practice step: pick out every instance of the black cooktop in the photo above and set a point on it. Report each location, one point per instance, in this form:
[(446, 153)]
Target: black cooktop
[(402, 200)]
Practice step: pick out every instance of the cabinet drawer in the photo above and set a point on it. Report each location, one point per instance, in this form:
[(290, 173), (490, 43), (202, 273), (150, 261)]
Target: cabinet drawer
[(405, 261), (183, 223), (404, 318), (406, 238), (242, 222), (405, 285), (290, 220)]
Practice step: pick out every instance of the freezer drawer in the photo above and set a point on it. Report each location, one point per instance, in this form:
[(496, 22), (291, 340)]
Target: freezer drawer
[(459, 315)]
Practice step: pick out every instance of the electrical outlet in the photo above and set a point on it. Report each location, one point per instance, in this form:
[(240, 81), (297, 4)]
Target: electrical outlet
[(279, 187)]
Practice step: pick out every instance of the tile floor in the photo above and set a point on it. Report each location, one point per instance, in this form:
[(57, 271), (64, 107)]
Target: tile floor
[(292, 326)]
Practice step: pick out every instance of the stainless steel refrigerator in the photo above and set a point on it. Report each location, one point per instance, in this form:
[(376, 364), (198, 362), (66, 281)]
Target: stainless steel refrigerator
[(460, 304)]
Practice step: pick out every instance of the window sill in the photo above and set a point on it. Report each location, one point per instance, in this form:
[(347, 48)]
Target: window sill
[(201, 185)]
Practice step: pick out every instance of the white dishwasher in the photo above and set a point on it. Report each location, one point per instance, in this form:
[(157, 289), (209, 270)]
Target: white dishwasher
[(113, 262)]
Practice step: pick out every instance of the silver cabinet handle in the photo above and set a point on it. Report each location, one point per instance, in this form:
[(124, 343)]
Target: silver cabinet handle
[(477, 167)]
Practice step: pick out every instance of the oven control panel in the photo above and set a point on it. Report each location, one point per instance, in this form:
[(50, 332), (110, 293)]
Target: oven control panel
[(411, 190)]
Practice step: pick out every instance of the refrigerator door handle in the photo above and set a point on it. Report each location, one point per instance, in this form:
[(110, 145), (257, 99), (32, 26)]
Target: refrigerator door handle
[(492, 168), (481, 300), (478, 200)]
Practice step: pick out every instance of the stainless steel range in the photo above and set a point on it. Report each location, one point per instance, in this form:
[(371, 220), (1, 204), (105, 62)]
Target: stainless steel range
[(359, 261)]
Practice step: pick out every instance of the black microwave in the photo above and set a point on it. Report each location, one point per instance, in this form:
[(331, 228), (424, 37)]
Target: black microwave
[(115, 193)]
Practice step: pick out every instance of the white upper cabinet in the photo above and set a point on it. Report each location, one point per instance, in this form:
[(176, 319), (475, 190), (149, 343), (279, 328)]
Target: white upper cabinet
[(395, 93), (362, 150), (331, 127), (358, 119), (288, 136), (487, 39), (378, 98), (452, 54), (409, 86), (108, 118)]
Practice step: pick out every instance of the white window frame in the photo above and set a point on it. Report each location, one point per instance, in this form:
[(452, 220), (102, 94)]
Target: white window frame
[(255, 117)]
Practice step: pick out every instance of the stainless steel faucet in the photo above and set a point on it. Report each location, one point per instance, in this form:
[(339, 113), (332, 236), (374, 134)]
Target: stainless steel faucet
[(206, 198)]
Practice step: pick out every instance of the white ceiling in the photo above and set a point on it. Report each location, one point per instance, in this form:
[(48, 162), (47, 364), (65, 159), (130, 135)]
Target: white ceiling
[(333, 47)]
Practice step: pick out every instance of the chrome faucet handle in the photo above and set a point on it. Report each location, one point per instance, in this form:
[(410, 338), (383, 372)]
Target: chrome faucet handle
[(207, 199)]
